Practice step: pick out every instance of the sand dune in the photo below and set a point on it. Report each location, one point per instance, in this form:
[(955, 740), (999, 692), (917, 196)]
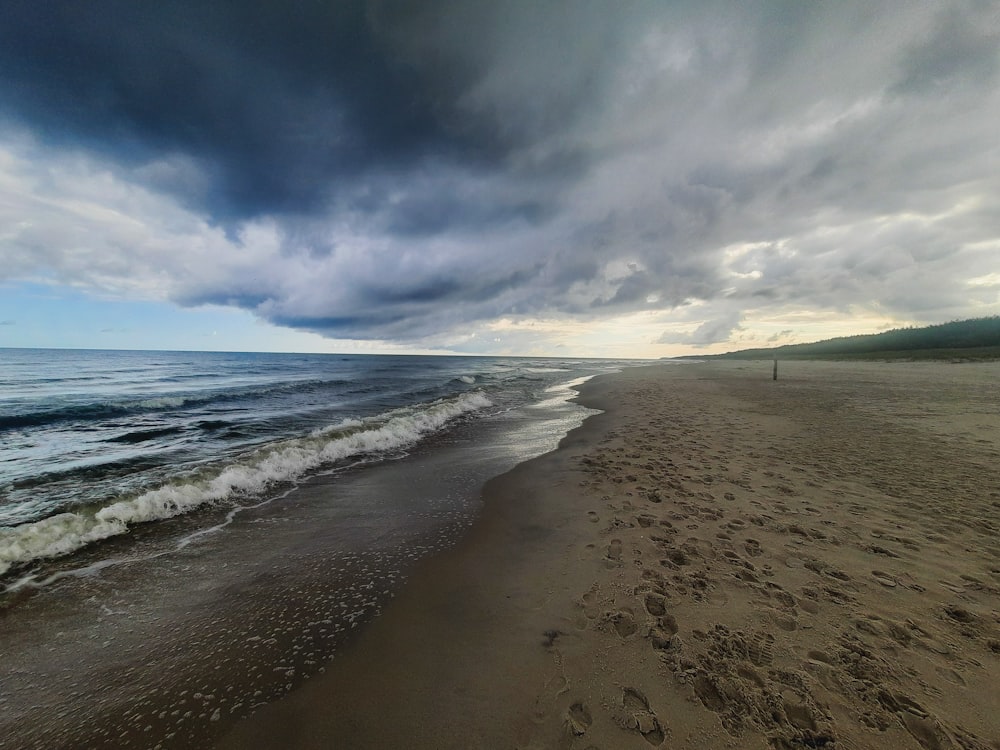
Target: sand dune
[(718, 560)]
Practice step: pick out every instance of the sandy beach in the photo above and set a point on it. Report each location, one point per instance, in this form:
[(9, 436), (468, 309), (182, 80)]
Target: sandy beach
[(717, 560)]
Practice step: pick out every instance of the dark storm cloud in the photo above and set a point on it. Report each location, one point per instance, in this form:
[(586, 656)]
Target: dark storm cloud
[(284, 106), (277, 102), (408, 170)]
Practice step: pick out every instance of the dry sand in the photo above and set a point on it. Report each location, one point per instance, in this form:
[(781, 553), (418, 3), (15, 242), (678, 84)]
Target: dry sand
[(718, 560)]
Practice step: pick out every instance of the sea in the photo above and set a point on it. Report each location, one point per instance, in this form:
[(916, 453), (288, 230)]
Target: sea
[(185, 536)]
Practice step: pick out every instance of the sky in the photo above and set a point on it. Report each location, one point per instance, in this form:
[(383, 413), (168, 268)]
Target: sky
[(567, 178)]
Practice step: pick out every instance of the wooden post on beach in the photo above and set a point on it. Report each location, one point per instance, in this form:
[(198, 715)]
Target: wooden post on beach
[(775, 369)]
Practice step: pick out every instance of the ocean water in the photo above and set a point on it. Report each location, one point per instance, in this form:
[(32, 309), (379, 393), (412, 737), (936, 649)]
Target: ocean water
[(187, 536), (94, 444)]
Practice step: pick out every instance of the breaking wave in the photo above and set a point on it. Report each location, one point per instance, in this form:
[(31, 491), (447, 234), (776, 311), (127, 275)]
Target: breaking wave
[(252, 475)]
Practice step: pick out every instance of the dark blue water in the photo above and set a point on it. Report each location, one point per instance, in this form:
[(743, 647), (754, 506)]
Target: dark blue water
[(95, 443)]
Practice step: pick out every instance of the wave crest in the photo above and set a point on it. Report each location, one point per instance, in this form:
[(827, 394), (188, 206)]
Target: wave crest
[(287, 461)]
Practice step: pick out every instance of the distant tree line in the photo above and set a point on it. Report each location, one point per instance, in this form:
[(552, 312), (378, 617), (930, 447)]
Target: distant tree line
[(956, 335)]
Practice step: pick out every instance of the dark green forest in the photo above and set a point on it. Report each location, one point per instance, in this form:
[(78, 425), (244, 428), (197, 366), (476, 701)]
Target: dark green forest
[(978, 338)]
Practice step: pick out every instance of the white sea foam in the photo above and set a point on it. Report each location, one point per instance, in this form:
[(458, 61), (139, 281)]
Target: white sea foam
[(342, 426), (52, 537), (467, 379), (164, 402), (287, 461), (562, 393), (568, 386)]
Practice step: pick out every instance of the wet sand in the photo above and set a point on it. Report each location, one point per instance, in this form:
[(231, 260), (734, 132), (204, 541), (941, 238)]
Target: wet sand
[(717, 560)]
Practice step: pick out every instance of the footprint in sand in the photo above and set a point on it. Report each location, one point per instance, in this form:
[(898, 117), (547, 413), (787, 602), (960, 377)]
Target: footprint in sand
[(707, 692), (788, 624), (799, 714), (614, 553), (554, 687), (959, 614), (918, 721), (655, 605), (781, 596), (668, 623), (623, 621), (749, 675), (590, 605), (808, 602), (639, 717), (820, 656), (674, 558), (578, 719)]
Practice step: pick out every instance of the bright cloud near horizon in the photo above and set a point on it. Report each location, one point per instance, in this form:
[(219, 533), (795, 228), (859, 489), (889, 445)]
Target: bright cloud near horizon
[(564, 178)]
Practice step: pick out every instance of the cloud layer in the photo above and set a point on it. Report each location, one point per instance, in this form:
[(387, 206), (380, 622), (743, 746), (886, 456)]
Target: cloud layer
[(419, 172)]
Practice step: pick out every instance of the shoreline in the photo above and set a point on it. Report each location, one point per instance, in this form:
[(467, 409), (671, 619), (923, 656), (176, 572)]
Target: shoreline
[(715, 560), (469, 592), (234, 619)]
